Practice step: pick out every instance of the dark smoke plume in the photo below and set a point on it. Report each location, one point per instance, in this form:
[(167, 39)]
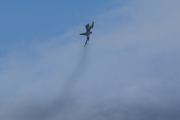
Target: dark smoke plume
[(64, 103), (75, 75)]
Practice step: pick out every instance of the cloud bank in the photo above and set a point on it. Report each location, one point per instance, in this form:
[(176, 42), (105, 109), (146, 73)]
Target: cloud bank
[(129, 70)]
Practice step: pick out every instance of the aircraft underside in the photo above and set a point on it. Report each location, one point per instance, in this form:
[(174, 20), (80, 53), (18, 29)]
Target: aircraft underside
[(88, 32)]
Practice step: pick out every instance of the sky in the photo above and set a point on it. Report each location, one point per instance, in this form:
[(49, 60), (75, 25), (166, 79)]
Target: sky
[(129, 69)]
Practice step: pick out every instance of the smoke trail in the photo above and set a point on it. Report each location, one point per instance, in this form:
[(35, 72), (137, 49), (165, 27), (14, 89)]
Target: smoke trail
[(62, 104), (75, 75), (65, 101)]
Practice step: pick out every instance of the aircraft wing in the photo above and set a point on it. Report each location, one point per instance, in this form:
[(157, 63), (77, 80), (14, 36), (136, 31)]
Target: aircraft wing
[(83, 34), (87, 27)]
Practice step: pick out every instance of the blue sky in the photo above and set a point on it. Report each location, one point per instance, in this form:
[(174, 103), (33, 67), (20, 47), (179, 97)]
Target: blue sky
[(128, 70), (30, 22), (25, 21)]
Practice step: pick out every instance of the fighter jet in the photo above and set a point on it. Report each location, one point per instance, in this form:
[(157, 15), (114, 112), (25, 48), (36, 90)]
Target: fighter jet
[(88, 32)]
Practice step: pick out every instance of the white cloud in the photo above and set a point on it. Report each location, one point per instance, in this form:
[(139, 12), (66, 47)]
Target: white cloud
[(129, 69)]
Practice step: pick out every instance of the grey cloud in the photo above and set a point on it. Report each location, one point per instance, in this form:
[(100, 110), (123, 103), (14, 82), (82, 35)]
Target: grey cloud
[(128, 71)]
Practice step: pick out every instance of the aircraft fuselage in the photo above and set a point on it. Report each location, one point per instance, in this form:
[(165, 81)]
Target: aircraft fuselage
[(88, 32)]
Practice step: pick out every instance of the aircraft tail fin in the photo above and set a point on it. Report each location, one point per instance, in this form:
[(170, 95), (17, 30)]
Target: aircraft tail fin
[(92, 24)]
